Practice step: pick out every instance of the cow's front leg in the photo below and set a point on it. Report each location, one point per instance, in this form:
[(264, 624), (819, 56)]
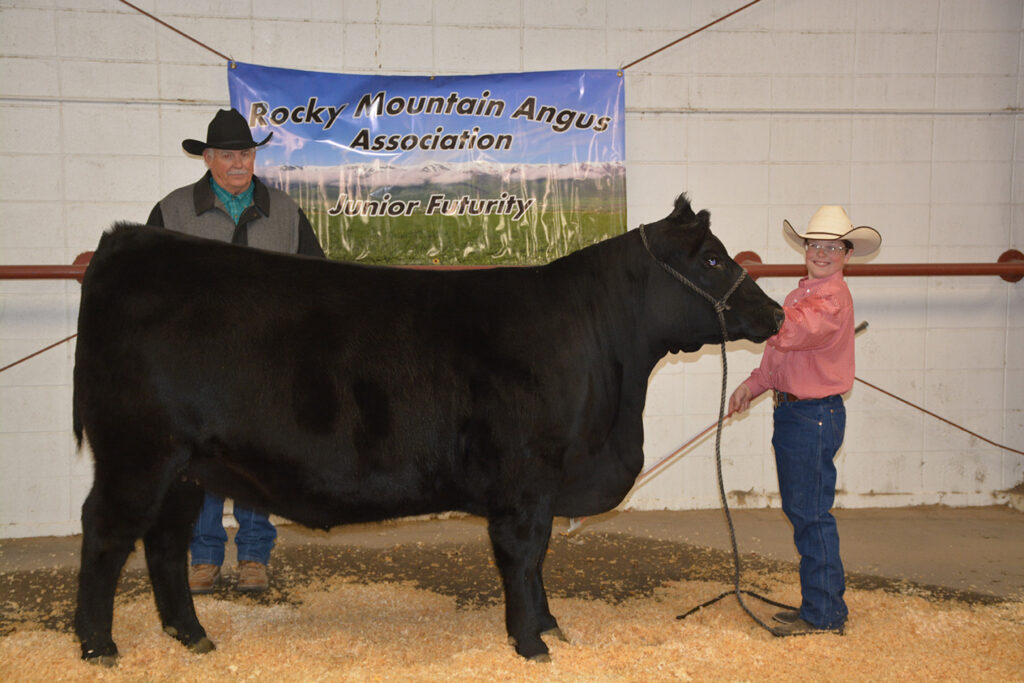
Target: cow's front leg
[(548, 623), (519, 539)]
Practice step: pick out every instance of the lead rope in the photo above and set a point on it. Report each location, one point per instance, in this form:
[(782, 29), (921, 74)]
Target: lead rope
[(720, 307), (728, 514)]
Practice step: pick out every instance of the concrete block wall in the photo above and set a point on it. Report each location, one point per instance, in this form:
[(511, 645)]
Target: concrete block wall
[(907, 113)]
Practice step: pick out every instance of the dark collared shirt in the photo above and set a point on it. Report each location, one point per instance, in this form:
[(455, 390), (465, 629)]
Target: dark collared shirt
[(234, 203)]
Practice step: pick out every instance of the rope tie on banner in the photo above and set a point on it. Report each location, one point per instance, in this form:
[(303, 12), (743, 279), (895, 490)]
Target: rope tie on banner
[(178, 31), (633, 63), (690, 34)]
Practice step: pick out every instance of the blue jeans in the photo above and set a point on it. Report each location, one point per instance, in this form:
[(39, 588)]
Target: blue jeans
[(807, 436), (255, 536)]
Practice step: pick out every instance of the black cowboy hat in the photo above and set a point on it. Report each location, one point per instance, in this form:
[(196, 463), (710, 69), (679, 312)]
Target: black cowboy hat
[(228, 130)]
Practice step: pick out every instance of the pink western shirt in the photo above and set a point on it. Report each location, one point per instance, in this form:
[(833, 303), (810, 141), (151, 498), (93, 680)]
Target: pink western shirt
[(811, 356)]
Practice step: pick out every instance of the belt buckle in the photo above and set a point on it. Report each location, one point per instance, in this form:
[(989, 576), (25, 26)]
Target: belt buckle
[(783, 397)]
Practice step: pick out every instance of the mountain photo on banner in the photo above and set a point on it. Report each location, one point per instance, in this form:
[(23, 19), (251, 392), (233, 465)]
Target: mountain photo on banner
[(493, 169)]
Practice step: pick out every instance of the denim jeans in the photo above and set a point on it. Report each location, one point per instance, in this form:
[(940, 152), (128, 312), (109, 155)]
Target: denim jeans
[(807, 436), (255, 536)]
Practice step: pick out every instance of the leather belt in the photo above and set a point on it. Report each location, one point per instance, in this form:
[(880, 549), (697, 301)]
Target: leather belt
[(781, 397)]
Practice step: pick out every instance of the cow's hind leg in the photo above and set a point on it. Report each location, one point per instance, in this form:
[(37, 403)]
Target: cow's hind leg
[(520, 539), (127, 496), (166, 543), (105, 548)]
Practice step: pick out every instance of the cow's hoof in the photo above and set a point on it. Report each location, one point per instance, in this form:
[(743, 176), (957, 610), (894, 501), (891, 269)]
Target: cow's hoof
[(540, 655), (202, 646), (557, 633), (101, 656), (106, 659)]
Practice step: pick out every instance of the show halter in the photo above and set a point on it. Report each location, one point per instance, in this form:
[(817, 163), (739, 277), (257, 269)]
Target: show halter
[(719, 304)]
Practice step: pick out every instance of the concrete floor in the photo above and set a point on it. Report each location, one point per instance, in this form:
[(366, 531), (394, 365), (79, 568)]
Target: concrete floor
[(964, 549), (977, 550)]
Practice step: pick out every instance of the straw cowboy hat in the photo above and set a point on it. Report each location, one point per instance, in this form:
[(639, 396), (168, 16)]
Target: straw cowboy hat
[(228, 130), (832, 223)]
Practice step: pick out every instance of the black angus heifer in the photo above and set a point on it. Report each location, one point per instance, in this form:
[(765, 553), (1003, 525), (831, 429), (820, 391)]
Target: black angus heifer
[(330, 393)]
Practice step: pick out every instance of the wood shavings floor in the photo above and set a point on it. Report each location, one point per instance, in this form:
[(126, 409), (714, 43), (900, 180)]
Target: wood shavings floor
[(421, 601)]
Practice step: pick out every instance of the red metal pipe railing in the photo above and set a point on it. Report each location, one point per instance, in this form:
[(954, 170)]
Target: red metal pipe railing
[(1009, 267), (73, 272), (42, 272)]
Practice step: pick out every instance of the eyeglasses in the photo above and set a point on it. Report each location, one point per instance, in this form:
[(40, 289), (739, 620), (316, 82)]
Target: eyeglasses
[(827, 248)]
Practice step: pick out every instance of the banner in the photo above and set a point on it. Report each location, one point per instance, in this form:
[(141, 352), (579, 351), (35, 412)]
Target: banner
[(489, 169)]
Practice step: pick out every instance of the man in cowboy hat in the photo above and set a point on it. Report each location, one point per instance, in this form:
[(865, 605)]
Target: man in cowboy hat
[(809, 365), (231, 204)]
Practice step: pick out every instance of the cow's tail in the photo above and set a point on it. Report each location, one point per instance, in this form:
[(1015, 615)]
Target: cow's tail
[(77, 426), (76, 419)]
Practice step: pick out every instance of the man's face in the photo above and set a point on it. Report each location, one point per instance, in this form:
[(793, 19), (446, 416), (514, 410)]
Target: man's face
[(825, 257), (231, 168)]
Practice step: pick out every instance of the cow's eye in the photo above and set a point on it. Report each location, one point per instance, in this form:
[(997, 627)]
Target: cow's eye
[(712, 261)]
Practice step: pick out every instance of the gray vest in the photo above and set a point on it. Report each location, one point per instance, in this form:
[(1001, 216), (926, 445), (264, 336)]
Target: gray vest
[(277, 230)]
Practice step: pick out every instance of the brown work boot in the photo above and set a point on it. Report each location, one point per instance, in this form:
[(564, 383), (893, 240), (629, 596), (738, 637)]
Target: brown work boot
[(786, 616), (202, 578), (800, 627), (252, 577)]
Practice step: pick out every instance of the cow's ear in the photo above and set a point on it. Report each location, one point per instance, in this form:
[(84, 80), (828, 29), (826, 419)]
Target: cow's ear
[(700, 230), (682, 211)]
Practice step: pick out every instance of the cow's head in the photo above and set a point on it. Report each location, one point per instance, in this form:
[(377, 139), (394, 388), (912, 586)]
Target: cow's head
[(691, 271)]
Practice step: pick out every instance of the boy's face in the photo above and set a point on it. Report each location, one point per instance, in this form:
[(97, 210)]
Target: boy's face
[(825, 257)]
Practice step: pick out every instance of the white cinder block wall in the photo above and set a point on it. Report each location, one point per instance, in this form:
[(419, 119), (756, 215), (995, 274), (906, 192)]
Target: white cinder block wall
[(908, 113)]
